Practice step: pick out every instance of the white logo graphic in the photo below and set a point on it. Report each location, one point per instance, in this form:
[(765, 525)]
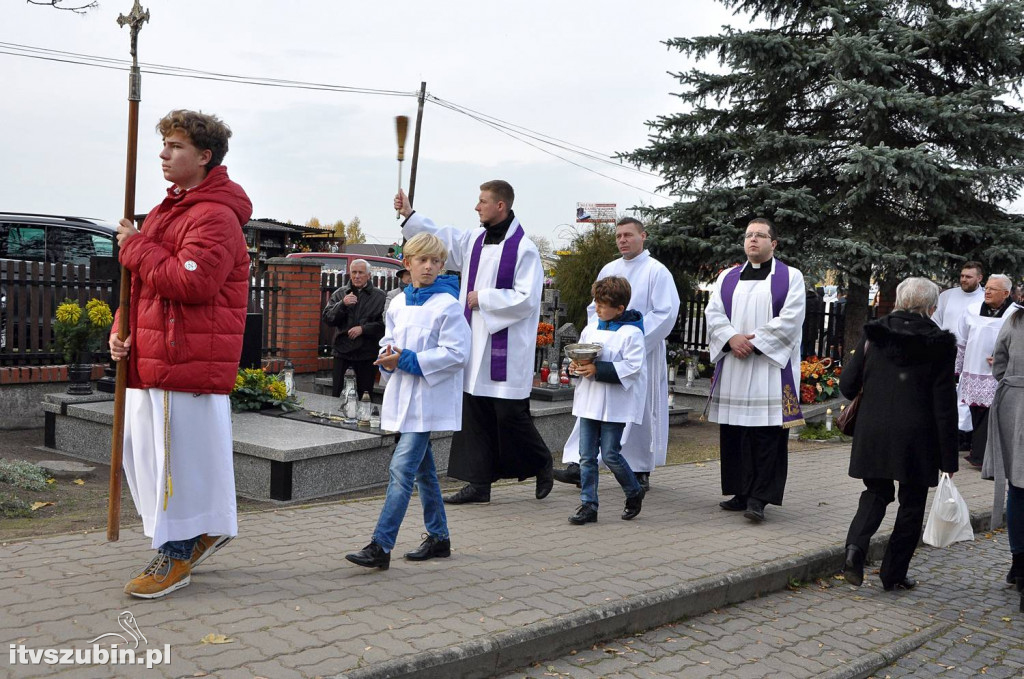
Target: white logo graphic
[(126, 654), (127, 622), (191, 266)]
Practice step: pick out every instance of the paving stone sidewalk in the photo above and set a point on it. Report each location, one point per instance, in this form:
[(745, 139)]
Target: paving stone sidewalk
[(961, 621), (291, 606)]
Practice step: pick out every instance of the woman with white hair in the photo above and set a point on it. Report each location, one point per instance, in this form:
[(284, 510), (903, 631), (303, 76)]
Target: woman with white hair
[(906, 427)]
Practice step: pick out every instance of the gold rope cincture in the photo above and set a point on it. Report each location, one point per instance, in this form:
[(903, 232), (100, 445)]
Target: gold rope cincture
[(168, 485)]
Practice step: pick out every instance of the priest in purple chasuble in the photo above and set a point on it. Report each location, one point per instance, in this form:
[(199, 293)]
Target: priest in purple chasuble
[(502, 282), (755, 318)]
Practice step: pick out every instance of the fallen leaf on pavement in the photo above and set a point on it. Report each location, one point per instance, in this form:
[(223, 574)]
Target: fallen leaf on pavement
[(79, 482), (40, 505), (212, 638)]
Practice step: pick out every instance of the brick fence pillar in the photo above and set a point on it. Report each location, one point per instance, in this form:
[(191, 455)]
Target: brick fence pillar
[(298, 312)]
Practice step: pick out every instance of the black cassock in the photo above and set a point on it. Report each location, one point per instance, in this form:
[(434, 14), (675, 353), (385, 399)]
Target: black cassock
[(498, 441), (755, 461)]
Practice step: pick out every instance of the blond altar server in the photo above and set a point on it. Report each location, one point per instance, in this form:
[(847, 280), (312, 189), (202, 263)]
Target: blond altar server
[(755, 319), (654, 295), (502, 282)]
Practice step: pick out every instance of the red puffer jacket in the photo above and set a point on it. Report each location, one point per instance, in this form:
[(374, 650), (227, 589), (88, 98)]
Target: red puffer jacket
[(190, 282)]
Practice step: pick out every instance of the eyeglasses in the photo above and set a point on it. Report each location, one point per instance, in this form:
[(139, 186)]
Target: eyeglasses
[(756, 234), (997, 290)]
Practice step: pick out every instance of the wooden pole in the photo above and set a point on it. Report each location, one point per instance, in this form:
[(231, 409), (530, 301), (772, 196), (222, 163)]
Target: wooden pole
[(416, 142), (134, 20)]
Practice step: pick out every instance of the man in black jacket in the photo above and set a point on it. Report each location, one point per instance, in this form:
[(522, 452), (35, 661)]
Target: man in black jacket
[(357, 311)]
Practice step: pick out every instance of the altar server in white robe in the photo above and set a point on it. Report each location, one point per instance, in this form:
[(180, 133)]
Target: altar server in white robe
[(610, 396), (976, 340), (656, 298), (502, 281), (755, 318), (953, 303), (190, 283)]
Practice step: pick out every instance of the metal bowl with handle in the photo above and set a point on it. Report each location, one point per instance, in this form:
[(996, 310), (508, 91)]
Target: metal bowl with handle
[(583, 353)]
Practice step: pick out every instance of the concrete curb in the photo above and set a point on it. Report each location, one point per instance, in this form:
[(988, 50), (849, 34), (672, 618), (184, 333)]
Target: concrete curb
[(506, 651), (867, 665)]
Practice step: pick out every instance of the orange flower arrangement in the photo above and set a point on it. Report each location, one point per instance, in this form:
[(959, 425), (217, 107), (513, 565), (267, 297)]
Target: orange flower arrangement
[(545, 334), (819, 379)]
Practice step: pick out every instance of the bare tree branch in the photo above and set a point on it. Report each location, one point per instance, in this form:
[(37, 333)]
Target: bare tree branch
[(59, 4)]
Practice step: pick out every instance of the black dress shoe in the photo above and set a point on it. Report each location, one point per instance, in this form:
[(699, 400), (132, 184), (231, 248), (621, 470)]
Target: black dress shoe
[(853, 570), (644, 479), (585, 513), (736, 504), (755, 510), (431, 548), (545, 482), (571, 474), (469, 494), (633, 505), (371, 556), (906, 583)]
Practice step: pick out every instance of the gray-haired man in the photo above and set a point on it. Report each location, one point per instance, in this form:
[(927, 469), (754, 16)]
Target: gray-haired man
[(357, 311)]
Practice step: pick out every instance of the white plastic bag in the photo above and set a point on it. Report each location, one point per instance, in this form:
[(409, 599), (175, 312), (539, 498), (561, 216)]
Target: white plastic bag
[(949, 520)]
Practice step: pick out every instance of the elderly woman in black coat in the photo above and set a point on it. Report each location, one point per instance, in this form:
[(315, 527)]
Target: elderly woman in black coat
[(906, 428)]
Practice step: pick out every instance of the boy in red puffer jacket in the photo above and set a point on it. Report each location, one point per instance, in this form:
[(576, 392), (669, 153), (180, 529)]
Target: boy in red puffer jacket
[(190, 277)]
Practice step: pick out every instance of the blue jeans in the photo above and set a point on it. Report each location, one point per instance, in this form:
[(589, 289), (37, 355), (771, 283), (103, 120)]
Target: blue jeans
[(609, 436), (1015, 518), (412, 461), (179, 549)]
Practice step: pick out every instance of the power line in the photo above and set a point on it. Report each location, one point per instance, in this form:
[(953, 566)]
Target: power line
[(516, 132)]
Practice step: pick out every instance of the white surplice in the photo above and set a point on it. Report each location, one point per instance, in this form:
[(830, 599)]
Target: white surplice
[(202, 470), (607, 402), (749, 391), (953, 304), (516, 309), (976, 339), (654, 295), (438, 333)]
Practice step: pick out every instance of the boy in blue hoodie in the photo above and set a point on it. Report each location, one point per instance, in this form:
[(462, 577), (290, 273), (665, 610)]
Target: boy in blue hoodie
[(610, 397), (424, 350)]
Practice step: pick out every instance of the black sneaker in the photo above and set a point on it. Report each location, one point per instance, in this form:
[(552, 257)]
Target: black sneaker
[(371, 556), (469, 494), (633, 505), (431, 548), (570, 475), (585, 513)]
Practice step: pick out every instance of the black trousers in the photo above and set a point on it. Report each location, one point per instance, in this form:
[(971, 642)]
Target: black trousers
[(755, 461), (365, 370), (498, 440), (906, 532), (979, 437)]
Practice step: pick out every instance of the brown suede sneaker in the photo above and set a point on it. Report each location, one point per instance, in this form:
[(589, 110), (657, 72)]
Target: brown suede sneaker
[(162, 576), (207, 546)]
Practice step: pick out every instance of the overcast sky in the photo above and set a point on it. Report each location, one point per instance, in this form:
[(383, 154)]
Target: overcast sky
[(590, 73)]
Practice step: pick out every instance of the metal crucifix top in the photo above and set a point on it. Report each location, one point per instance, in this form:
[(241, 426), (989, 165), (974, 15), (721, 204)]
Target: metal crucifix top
[(134, 19)]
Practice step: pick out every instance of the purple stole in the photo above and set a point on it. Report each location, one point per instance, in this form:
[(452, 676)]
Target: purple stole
[(505, 280), (791, 414)]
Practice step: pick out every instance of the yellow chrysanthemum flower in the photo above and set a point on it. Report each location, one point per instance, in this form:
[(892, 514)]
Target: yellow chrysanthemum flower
[(239, 382), (278, 391), (99, 314), (69, 313)]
